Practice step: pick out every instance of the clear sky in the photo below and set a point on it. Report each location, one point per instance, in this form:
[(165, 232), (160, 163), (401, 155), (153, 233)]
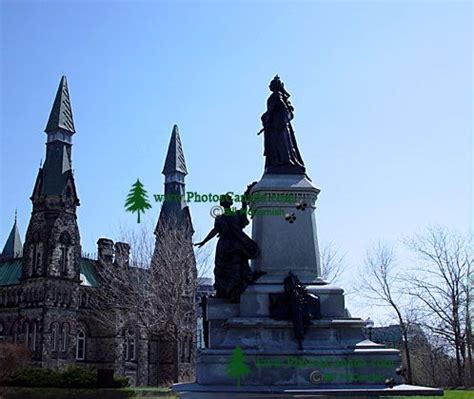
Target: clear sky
[(382, 92)]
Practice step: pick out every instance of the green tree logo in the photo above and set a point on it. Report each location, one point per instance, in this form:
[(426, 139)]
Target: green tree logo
[(236, 367), (137, 200)]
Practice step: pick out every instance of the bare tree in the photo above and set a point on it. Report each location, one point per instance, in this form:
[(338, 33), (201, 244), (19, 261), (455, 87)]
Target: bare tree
[(155, 288), (432, 361), (380, 284), (468, 288), (332, 263), (441, 284)]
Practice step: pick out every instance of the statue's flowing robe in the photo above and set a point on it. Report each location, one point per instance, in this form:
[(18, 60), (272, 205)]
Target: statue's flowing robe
[(234, 249)]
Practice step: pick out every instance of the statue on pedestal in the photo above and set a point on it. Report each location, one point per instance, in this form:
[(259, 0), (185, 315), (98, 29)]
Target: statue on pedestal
[(232, 272), (281, 151)]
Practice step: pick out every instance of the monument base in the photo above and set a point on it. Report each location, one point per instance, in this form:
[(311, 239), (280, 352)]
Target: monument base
[(197, 391), (336, 359)]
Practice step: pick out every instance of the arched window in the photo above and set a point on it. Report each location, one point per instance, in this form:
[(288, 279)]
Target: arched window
[(80, 344), (64, 337), (54, 336)]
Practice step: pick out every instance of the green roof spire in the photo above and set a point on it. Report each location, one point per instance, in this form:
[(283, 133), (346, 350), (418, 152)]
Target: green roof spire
[(175, 157), (13, 247), (60, 118)]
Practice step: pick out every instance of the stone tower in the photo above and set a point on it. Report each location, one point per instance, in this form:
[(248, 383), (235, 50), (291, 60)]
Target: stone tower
[(175, 266), (52, 245), (52, 251)]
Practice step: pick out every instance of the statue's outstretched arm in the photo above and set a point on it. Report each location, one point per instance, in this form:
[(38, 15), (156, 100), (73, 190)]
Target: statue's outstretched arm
[(210, 236)]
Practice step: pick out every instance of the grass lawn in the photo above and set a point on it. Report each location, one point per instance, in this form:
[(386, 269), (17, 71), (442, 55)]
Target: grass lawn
[(455, 394)]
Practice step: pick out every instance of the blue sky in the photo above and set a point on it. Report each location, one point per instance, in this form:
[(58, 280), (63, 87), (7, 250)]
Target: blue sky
[(382, 93)]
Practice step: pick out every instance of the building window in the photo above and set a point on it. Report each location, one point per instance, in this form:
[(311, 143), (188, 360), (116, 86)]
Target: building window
[(36, 252), (131, 349), (190, 348), (15, 329), (54, 337), (34, 331), (26, 331), (83, 300), (65, 241), (64, 337), (130, 346), (63, 259), (181, 350), (36, 257), (80, 345)]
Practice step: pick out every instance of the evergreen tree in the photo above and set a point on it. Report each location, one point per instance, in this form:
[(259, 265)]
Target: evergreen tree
[(237, 367), (137, 199)]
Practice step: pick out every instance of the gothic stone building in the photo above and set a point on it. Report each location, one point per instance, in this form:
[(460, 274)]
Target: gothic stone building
[(46, 285)]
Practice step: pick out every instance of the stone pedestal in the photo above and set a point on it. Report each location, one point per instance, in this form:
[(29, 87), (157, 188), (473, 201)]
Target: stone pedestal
[(286, 244), (334, 349)]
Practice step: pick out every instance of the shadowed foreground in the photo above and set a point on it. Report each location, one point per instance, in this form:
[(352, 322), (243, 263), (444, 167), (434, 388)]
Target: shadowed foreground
[(138, 393)]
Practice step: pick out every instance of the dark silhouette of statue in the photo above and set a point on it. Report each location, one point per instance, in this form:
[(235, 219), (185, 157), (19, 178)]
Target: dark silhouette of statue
[(232, 272), (281, 151), (295, 304)]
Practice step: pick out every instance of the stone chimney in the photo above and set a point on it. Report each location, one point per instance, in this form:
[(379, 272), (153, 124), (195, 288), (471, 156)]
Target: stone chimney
[(122, 254), (105, 250)]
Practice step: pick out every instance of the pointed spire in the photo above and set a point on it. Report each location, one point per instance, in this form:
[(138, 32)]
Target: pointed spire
[(60, 118), (175, 157), (13, 247)]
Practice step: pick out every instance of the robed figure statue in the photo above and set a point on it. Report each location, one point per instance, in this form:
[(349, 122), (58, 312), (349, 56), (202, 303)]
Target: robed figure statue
[(232, 272), (281, 151), (295, 304)]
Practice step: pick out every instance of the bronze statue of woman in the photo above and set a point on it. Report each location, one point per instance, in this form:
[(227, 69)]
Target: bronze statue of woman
[(232, 272), (281, 151)]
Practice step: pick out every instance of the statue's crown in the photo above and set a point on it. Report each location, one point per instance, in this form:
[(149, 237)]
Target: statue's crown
[(276, 83)]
